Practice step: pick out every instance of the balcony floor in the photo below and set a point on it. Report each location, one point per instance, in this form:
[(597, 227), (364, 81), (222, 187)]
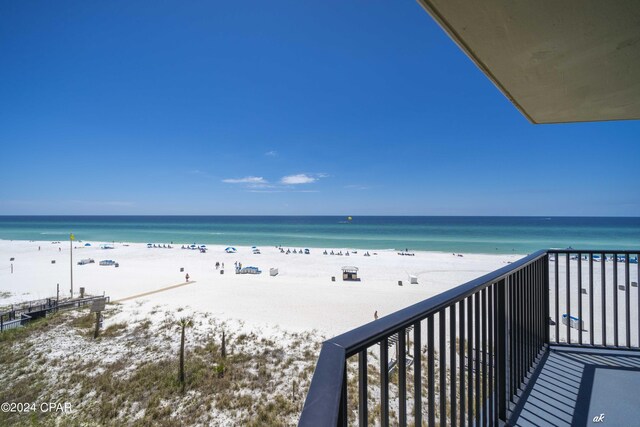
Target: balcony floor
[(572, 385)]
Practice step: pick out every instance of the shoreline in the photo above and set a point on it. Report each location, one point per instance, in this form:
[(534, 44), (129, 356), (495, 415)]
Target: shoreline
[(178, 245)]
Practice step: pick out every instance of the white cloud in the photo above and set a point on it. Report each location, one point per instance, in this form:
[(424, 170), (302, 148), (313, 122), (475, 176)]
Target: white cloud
[(285, 183), (271, 153), (254, 180), (282, 191), (301, 178)]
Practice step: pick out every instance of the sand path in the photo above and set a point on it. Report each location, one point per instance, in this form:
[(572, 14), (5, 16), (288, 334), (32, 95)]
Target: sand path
[(156, 291)]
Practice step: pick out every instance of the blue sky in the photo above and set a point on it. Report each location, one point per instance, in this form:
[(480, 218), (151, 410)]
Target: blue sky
[(282, 107)]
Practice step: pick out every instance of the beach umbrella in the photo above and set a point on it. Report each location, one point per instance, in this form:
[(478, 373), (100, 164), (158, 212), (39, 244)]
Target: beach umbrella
[(87, 244), (230, 249)]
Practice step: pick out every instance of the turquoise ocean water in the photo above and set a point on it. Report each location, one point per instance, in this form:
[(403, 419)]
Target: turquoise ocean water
[(448, 234)]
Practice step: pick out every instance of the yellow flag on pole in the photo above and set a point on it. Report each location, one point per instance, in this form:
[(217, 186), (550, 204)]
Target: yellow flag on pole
[(72, 237)]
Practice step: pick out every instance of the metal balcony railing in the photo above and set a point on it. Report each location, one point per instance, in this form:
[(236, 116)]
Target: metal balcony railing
[(464, 357)]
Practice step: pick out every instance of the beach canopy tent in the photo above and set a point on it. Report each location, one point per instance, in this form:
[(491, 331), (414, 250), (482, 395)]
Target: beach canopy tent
[(556, 61), (350, 273), (249, 270), (413, 279), (231, 250)]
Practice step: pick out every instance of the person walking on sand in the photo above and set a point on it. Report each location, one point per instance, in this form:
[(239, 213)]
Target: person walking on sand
[(187, 277), (375, 315)]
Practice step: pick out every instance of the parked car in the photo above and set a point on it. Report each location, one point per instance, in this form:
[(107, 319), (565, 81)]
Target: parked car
[(86, 261)]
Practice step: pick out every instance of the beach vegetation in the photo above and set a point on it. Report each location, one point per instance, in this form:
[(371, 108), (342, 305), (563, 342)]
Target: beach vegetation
[(223, 347), (128, 376), (183, 324), (84, 321), (114, 329)]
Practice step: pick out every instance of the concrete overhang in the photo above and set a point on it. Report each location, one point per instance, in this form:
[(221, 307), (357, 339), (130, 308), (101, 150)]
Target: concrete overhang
[(557, 60)]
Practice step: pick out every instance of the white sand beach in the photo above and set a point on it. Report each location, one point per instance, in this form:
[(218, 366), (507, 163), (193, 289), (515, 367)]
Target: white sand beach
[(272, 323), (301, 297)]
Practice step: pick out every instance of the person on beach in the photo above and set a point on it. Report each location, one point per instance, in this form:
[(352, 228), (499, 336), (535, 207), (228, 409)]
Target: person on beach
[(375, 315), (187, 277)]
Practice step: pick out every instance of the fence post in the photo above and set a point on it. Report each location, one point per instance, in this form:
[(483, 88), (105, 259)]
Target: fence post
[(501, 356)]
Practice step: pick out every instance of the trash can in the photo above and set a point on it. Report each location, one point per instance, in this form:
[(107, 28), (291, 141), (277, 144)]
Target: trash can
[(221, 271), (399, 282), (181, 269), (333, 278), (82, 292)]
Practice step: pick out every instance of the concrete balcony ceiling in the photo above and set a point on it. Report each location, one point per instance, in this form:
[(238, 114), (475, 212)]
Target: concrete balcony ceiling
[(557, 61)]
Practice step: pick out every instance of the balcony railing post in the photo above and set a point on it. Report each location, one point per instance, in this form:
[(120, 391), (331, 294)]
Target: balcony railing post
[(501, 353), (402, 377), (362, 389), (343, 417), (384, 382), (545, 303), (417, 373)]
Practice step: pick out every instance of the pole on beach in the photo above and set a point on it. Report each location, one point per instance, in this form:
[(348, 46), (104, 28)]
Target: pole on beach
[(97, 330), (71, 239)]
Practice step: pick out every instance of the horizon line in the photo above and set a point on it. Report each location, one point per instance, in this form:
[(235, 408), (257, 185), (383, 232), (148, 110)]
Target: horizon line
[(322, 215)]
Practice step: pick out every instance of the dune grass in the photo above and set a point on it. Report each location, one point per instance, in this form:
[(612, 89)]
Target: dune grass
[(128, 376)]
